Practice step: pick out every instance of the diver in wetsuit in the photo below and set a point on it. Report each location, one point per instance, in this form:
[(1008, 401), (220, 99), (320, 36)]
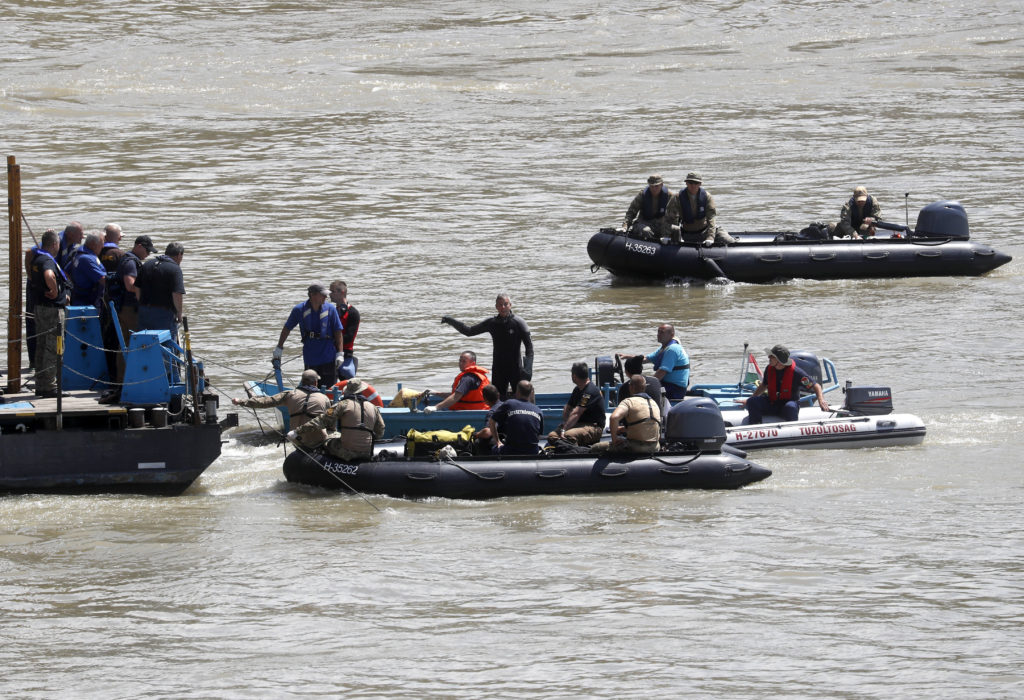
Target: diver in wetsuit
[(508, 333)]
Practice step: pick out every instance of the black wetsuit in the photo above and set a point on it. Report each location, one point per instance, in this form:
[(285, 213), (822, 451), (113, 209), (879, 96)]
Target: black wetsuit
[(507, 333)]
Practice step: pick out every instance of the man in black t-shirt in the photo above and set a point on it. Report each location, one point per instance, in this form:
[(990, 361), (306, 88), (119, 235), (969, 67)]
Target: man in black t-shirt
[(161, 291), (583, 418)]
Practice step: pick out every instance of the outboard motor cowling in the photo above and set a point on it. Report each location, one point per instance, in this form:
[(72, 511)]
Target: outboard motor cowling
[(604, 370), (695, 423), (809, 363), (943, 219), (868, 400)]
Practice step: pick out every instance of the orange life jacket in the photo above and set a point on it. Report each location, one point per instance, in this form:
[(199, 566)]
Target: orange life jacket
[(770, 381), (472, 400), (369, 393)]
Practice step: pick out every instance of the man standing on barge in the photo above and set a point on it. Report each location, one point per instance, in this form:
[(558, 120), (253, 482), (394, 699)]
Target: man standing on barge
[(48, 287)]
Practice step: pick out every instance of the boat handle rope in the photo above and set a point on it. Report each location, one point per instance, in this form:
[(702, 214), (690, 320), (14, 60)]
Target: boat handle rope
[(343, 482), (497, 476), (662, 460)]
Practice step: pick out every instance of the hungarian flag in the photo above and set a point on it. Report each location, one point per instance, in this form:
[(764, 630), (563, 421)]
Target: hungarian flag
[(753, 376)]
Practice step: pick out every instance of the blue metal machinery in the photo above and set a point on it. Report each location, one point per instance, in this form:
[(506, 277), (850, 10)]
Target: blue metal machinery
[(85, 366)]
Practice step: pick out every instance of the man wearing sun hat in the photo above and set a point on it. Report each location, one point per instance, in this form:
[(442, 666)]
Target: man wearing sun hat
[(857, 219), (692, 212), (779, 393), (352, 425), (305, 402), (646, 217)]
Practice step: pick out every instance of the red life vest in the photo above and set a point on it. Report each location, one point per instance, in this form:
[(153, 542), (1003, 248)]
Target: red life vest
[(348, 335), (771, 384), (369, 393), (472, 400)]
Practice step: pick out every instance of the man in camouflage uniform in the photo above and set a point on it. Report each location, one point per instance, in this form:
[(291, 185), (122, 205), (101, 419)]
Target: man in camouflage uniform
[(351, 425), (304, 403), (693, 209), (857, 219), (646, 217)]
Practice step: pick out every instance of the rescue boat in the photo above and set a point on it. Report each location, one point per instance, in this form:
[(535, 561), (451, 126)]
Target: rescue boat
[(696, 457), (939, 245)]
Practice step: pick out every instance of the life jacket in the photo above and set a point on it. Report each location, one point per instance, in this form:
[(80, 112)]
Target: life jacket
[(314, 326), (649, 209), (80, 294), (42, 262), (661, 353), (690, 216), (647, 428), (770, 381), (369, 393), (109, 256), (472, 400), (348, 341), (66, 253), (858, 214)]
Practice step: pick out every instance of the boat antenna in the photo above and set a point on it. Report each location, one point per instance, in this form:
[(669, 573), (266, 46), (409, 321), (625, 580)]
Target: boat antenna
[(906, 207)]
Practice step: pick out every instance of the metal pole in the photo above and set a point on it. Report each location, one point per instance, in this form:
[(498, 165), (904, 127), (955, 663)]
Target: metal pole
[(15, 281)]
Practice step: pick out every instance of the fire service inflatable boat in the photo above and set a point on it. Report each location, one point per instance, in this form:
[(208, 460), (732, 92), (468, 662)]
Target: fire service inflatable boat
[(940, 245)]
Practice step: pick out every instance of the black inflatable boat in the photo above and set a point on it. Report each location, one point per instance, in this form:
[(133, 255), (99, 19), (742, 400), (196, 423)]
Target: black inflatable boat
[(697, 458), (940, 245)]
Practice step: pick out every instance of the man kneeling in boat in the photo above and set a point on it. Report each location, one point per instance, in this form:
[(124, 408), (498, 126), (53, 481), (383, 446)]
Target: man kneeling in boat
[(304, 403), (351, 426), (635, 423), (466, 389), (516, 423), (646, 217), (779, 393), (859, 214)]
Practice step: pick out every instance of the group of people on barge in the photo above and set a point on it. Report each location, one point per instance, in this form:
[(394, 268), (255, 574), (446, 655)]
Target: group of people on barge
[(690, 215), (91, 269)]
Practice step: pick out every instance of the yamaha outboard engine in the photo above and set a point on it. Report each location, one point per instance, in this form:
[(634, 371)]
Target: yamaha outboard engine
[(942, 219), (868, 400), (695, 424)]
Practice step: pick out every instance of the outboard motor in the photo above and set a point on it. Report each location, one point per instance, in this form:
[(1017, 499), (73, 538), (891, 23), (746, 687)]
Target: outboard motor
[(809, 363), (943, 219), (695, 424), (868, 400)]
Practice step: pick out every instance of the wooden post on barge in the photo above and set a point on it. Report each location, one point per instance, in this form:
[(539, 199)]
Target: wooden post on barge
[(15, 281)]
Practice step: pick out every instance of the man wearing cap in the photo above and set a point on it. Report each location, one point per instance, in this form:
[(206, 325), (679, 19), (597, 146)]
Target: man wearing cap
[(858, 216), (692, 214), (646, 217), (352, 424), (321, 329), (122, 291), (509, 333), (162, 291), (671, 363), (304, 403), (779, 392)]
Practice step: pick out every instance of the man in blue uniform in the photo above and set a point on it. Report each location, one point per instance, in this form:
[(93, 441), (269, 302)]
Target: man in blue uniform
[(87, 273), (509, 333), (321, 329), (516, 423), (70, 242), (47, 286), (779, 393)]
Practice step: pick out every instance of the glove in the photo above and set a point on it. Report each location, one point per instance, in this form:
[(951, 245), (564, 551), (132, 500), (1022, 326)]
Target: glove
[(447, 319), (292, 436), (278, 352), (430, 409), (339, 358), (708, 242)]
